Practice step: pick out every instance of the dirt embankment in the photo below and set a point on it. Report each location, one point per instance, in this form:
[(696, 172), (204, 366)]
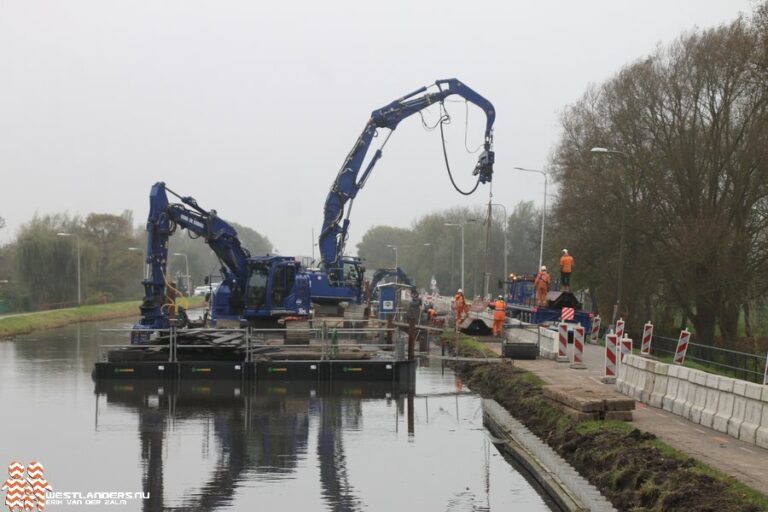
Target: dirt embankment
[(631, 468)]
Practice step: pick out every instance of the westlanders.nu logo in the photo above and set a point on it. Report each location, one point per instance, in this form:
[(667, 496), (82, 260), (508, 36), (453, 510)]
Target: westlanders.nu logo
[(31, 492), (26, 493)]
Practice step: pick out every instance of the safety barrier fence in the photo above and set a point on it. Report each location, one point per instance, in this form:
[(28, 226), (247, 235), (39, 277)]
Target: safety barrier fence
[(728, 405), (731, 363), (327, 341)]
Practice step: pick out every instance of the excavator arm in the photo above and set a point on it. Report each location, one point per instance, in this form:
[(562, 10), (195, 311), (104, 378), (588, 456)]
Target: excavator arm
[(349, 181), (164, 217)]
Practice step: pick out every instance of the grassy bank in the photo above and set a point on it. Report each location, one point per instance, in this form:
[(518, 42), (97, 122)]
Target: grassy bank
[(23, 324), (633, 469)]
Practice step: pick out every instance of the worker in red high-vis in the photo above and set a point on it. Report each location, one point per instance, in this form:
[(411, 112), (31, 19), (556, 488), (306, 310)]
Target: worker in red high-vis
[(566, 267), (499, 315), (541, 284)]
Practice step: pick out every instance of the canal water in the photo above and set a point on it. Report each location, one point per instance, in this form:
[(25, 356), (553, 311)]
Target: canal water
[(226, 446)]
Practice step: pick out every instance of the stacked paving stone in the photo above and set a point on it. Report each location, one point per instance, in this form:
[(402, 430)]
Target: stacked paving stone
[(586, 404)]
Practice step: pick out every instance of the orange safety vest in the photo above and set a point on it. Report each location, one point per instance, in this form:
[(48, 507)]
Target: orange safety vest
[(500, 310), (566, 264), (542, 280), (459, 301)]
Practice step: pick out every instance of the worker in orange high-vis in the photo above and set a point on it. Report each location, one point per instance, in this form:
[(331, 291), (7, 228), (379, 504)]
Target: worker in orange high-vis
[(461, 306), (499, 315), (541, 284), (566, 267)]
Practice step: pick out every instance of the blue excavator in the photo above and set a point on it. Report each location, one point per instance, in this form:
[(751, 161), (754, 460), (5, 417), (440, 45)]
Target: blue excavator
[(255, 290), (340, 277), (260, 290)]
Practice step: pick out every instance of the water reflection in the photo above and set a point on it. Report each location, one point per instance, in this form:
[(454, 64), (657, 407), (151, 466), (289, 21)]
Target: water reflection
[(203, 445), (261, 429)]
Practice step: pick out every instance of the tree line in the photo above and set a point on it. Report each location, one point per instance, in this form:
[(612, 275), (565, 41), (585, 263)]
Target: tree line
[(677, 199), (39, 267), (430, 248)]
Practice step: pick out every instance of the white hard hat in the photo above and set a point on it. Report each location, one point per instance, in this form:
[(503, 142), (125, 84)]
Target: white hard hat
[(543, 268), (565, 251), (460, 291), (501, 297)]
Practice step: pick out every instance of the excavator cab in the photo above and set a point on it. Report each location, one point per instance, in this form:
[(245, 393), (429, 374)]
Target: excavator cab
[(276, 286)]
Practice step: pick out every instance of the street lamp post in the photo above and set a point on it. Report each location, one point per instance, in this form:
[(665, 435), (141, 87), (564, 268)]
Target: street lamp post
[(186, 266), (461, 226), (77, 244), (429, 244), (143, 263), (506, 240), (543, 209), (394, 248), (617, 305)]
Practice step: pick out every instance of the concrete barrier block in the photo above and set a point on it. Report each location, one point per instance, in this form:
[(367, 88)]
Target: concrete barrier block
[(699, 403), (673, 370), (712, 381), (765, 393), (631, 376), (761, 437), (699, 377), (638, 382), (683, 372), (681, 397), (662, 368), (659, 391), (725, 384), (724, 411), (668, 402), (649, 382), (710, 407), (754, 391), (739, 387), (752, 416), (737, 418)]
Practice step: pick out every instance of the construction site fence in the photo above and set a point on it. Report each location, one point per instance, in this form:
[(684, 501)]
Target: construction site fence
[(731, 363), (256, 340)]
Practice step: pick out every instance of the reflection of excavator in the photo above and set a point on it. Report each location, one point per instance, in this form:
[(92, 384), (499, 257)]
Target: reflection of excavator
[(262, 430), (255, 290)]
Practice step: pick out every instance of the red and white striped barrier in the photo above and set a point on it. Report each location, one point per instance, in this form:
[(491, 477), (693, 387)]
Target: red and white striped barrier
[(595, 330), (562, 346), (578, 344), (567, 314), (611, 341), (626, 348), (620, 328), (682, 346), (645, 348)]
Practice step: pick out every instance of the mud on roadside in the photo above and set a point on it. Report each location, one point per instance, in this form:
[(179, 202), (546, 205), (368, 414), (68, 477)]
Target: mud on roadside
[(631, 468)]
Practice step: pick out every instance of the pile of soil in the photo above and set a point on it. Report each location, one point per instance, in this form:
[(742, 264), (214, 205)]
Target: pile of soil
[(630, 468)]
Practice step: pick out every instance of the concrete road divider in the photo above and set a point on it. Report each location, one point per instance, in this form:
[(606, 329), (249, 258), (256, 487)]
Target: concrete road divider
[(731, 406)]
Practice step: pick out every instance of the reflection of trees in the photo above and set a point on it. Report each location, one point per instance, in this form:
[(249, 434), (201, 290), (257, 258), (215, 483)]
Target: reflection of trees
[(262, 431), (330, 452)]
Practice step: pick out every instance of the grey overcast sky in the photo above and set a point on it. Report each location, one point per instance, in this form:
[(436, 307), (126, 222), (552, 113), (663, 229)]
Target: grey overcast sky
[(251, 107)]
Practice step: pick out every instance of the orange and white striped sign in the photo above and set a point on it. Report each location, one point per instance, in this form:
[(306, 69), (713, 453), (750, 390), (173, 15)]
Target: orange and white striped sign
[(567, 314)]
